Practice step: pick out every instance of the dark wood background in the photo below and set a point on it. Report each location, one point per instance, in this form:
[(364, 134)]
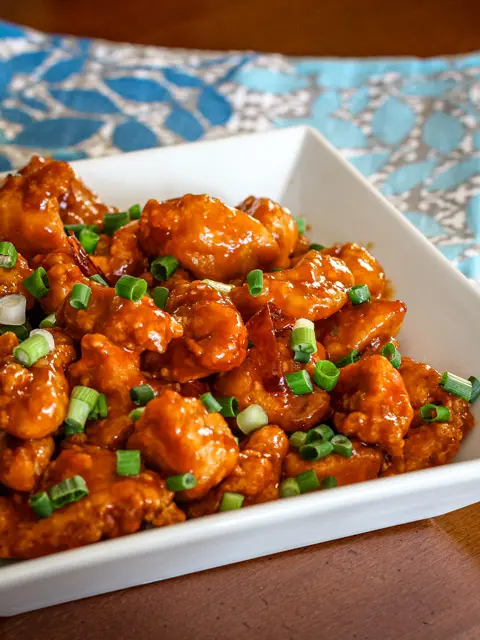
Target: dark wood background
[(298, 27)]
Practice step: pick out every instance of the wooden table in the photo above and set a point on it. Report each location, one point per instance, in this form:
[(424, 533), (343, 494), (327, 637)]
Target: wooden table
[(415, 582)]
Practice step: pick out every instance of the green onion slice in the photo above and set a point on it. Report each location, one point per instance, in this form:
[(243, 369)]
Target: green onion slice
[(316, 450), (475, 388), (252, 418), (128, 462), (456, 385), (326, 375), (22, 331), (88, 239), (299, 382), (350, 358), (68, 491), (8, 255), (142, 394), (316, 247), (77, 416), (181, 482), (434, 413), (163, 268), (342, 445), (288, 488), (229, 406), (303, 336), (359, 294), (31, 350), (391, 353), (131, 288), (80, 296), (231, 501), (321, 432), (136, 414), (97, 278), (301, 224), (114, 221), (300, 356), (135, 211), (298, 439), (330, 482), (86, 394), (210, 403), (307, 481), (41, 504), (102, 406), (255, 282), (160, 296), (49, 322), (221, 287), (37, 283), (13, 309)]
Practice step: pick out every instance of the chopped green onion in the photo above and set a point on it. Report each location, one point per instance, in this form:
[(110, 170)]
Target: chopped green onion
[(288, 488), (316, 247), (321, 432), (41, 504), (74, 228), (299, 382), (131, 288), (47, 335), (31, 350), (326, 375), (307, 481), (160, 296), (136, 414), (86, 394), (68, 491), (77, 416), (434, 413), (221, 287), (231, 501), (181, 482), (114, 221), (163, 268), (359, 294), (255, 282), (350, 358), (99, 279), (135, 211), (301, 224), (252, 418), (8, 255), (229, 406), (80, 296), (475, 388), (303, 336), (22, 331), (316, 450), (330, 482), (342, 445), (102, 406), (456, 385), (128, 462), (142, 394), (298, 439), (37, 283), (13, 309), (300, 356), (89, 240), (49, 322), (210, 403), (391, 353)]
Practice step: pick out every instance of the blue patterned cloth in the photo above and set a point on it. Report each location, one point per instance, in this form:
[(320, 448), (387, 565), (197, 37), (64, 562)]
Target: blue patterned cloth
[(412, 126)]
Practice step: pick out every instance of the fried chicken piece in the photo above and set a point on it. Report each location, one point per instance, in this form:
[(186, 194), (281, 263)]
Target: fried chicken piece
[(115, 506), (11, 280), (435, 443), (364, 464), (256, 475), (209, 238), (214, 336), (34, 401), (291, 412), (178, 435), (371, 403), (123, 254), (22, 462), (365, 268), (279, 221), (133, 325), (315, 288), (355, 327), (63, 273)]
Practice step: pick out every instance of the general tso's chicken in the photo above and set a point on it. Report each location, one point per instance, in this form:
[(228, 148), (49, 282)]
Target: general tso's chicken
[(355, 327), (122, 255), (115, 506), (63, 273), (178, 435), (209, 238), (77, 203), (22, 462), (315, 288), (435, 443), (364, 464), (214, 336), (279, 221), (134, 325), (256, 475), (11, 280), (365, 268), (34, 401), (291, 412), (371, 403)]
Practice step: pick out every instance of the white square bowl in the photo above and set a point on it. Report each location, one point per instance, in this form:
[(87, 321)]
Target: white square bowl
[(301, 170)]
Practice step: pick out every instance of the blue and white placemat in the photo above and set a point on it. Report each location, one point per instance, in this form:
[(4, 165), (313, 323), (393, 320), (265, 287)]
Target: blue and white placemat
[(412, 126)]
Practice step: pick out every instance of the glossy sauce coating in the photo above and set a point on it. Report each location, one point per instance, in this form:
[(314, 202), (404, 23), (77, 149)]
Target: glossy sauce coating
[(122, 255), (63, 273), (365, 268), (11, 280), (22, 462)]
